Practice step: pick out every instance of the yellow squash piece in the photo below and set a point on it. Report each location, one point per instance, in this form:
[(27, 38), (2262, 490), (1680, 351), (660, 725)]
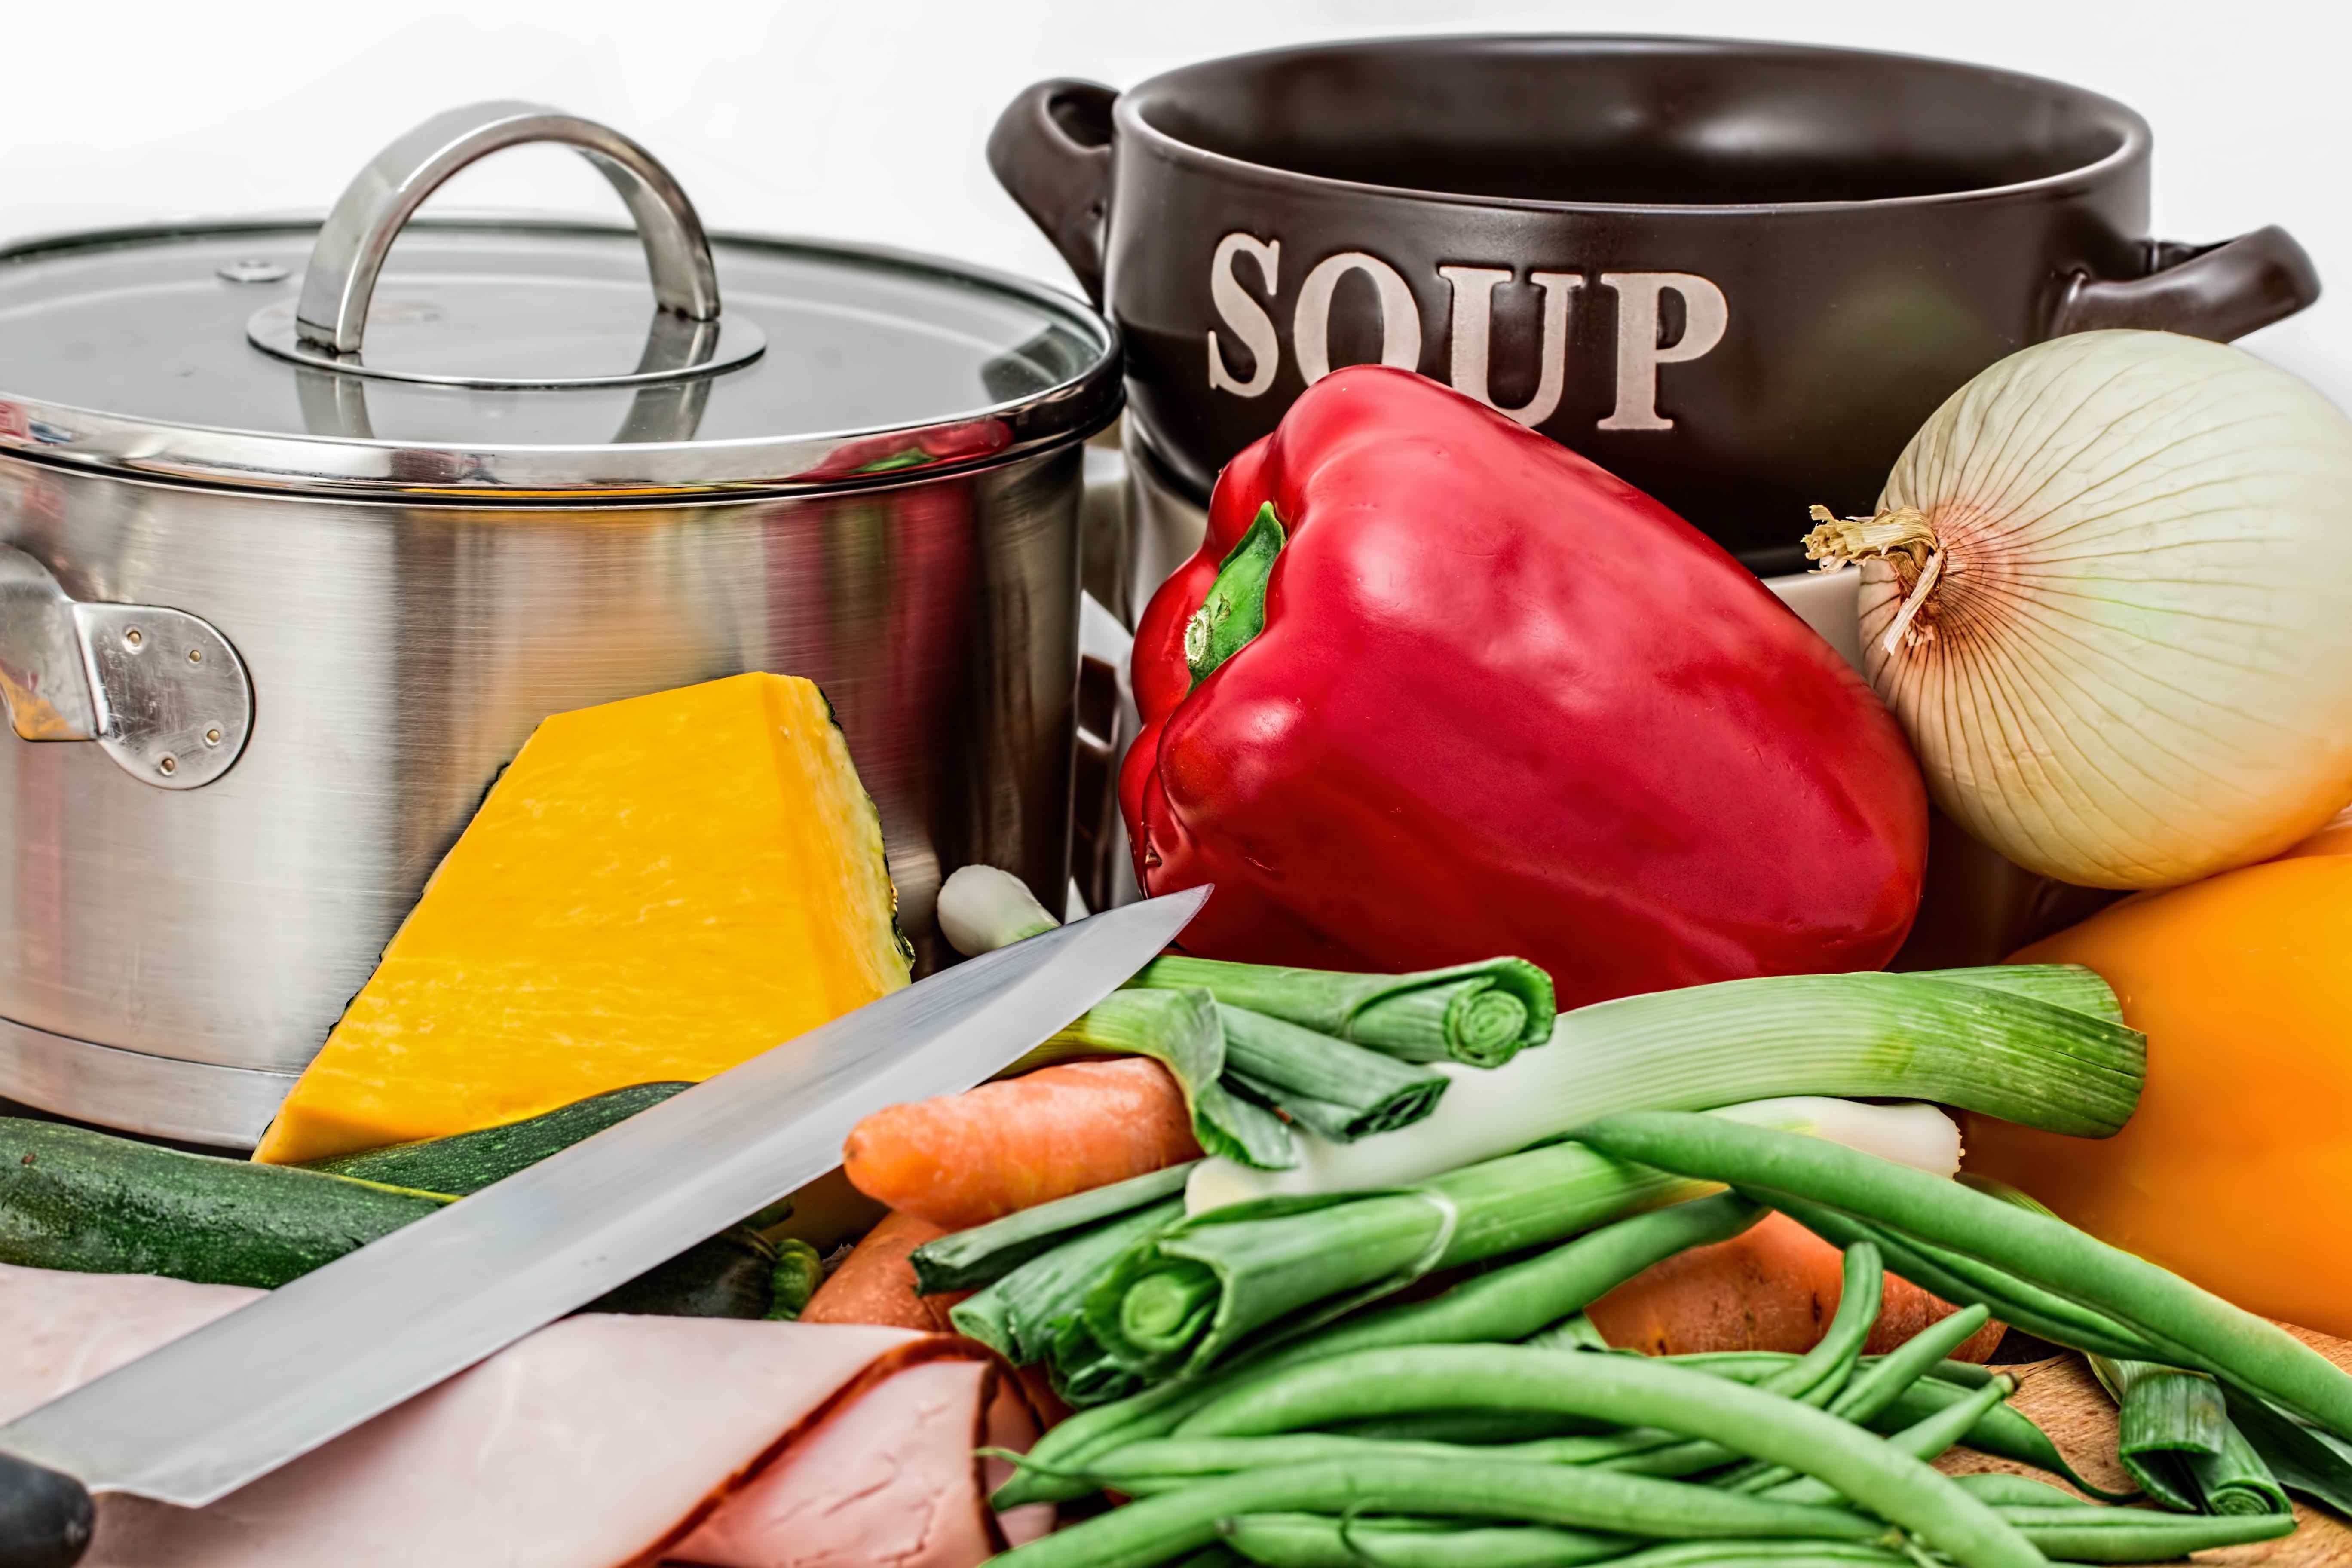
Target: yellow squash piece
[(2236, 1170), (656, 888)]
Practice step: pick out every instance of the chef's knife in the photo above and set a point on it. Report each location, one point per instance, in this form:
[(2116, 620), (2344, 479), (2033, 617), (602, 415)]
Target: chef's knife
[(206, 1414)]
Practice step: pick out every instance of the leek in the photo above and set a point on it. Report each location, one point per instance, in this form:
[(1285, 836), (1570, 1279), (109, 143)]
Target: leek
[(1182, 1031), (1342, 1091), (1480, 1014), (2003, 1044)]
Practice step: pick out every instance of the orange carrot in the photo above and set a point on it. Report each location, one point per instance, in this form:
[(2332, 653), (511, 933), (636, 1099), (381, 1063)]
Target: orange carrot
[(876, 1283), (1772, 1287), (965, 1159)]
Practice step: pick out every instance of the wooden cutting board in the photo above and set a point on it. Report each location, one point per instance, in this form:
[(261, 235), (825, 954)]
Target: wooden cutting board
[(2062, 1398)]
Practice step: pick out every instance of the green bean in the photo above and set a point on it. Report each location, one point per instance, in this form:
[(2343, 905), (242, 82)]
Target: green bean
[(1507, 1303), (1926, 1440), (2003, 1432), (1217, 1556), (1480, 1426), (1318, 1540), (1576, 1332), (1878, 1386), (1883, 1379), (1185, 1458), (1782, 1553), (1813, 1378), (1636, 1391), (2000, 1487), (1954, 1278), (1156, 1528), (2137, 1535), (2185, 1325)]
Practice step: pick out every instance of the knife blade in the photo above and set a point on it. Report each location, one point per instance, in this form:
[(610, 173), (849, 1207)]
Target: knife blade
[(208, 1413)]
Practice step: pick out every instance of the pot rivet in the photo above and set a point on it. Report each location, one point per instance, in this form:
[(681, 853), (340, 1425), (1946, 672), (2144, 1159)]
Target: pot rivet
[(195, 656), (252, 269), (213, 736), (169, 765), (134, 638)]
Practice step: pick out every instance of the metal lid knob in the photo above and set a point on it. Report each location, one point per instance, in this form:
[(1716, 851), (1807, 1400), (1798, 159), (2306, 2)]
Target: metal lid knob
[(327, 325)]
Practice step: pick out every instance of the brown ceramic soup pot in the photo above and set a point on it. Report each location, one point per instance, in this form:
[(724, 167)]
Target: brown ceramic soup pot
[(1739, 275)]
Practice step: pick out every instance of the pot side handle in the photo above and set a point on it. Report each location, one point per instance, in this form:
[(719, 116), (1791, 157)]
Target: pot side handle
[(162, 691), (1051, 151), (2215, 291)]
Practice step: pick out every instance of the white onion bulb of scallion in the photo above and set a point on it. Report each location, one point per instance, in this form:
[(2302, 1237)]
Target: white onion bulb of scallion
[(2108, 593)]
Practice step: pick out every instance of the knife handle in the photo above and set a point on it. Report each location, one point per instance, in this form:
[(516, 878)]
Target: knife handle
[(45, 1518)]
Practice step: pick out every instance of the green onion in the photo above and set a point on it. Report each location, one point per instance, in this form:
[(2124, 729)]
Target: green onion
[(1984, 1047), (1634, 1390), (1156, 1528), (1508, 1303), (967, 1260), (799, 1271), (1028, 1314), (1480, 1014), (981, 909), (1342, 1091), (2187, 1326)]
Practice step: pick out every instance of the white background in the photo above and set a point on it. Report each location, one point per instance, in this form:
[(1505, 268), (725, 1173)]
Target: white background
[(865, 119)]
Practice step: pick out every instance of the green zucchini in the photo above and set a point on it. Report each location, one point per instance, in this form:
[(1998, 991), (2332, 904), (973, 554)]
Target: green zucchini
[(74, 1199), (469, 1161)]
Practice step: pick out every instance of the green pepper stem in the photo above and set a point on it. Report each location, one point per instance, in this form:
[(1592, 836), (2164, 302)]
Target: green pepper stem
[(1234, 610)]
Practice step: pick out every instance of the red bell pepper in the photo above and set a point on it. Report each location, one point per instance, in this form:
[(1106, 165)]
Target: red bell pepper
[(1456, 691)]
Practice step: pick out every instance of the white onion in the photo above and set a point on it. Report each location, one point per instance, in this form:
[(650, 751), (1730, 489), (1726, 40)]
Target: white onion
[(2131, 663)]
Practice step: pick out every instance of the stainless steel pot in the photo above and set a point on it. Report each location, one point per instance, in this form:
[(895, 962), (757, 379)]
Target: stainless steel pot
[(305, 531)]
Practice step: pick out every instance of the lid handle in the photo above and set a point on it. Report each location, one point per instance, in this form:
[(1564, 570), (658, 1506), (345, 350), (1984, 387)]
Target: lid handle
[(372, 210)]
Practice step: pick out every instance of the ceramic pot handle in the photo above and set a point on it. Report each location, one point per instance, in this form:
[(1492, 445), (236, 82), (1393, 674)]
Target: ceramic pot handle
[(2217, 291), (1051, 150)]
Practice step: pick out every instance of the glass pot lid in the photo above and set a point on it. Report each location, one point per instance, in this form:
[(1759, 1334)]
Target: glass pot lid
[(371, 354)]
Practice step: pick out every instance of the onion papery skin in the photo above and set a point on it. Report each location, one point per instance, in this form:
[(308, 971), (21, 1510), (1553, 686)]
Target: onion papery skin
[(2136, 670)]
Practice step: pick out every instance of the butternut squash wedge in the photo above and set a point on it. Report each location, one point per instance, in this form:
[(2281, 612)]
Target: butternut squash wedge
[(2236, 1170), (654, 889)]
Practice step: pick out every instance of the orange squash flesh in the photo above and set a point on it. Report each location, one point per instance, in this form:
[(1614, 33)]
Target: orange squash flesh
[(656, 888), (2236, 1170)]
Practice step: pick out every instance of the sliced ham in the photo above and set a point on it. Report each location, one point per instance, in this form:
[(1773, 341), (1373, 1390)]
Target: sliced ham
[(599, 1442)]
